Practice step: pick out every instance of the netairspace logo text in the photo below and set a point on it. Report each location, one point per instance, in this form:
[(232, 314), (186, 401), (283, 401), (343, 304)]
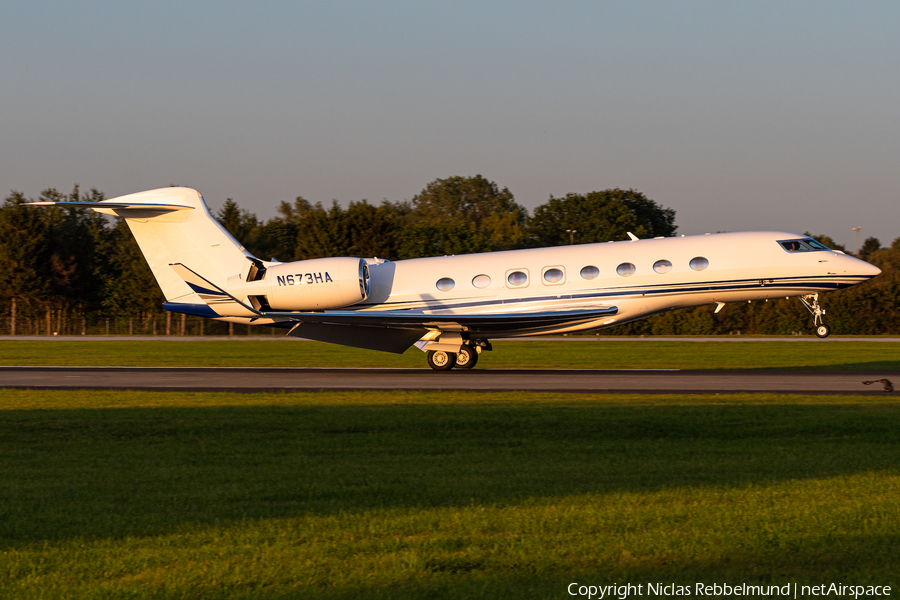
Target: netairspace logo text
[(790, 590)]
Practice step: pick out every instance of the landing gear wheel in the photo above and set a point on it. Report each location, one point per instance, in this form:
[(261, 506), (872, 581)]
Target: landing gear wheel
[(823, 330), (440, 360), (466, 358)]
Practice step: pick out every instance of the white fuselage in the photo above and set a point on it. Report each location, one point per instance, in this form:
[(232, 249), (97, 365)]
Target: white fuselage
[(741, 266)]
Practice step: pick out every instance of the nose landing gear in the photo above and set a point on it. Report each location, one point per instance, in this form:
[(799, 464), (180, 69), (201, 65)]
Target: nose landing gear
[(811, 302)]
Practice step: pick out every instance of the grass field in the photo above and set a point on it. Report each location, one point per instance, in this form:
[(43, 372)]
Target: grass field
[(506, 354), (451, 495)]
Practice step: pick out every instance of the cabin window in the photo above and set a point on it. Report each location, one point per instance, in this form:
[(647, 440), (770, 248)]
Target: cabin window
[(590, 272), (481, 281), (662, 266), (625, 269), (445, 284), (554, 275), (517, 278), (699, 263)]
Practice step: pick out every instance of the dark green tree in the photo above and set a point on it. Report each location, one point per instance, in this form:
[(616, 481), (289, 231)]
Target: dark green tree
[(474, 205), (74, 235), (869, 247), (372, 231), (280, 233), (239, 222), (360, 230), (441, 239), (48, 256), (599, 217), (24, 253)]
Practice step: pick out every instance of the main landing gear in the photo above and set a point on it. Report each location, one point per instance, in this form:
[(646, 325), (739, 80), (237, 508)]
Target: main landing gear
[(811, 302), (440, 360), (466, 358)]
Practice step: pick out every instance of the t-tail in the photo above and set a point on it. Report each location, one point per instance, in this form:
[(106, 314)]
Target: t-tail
[(185, 245)]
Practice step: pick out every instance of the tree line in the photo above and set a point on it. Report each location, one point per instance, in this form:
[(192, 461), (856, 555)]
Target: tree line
[(69, 270)]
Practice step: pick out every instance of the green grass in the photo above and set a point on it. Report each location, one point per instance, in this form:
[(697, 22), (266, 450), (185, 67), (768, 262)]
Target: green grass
[(456, 495), (507, 354)]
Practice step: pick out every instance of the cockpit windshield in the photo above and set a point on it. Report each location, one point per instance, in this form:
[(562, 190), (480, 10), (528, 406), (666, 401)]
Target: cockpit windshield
[(802, 245), (815, 245)]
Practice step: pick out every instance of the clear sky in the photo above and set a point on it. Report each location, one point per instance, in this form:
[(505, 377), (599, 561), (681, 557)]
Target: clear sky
[(738, 115)]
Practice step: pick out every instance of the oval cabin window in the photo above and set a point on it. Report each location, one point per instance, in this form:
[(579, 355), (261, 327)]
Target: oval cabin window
[(662, 266), (481, 281), (446, 284), (699, 263), (517, 278), (553, 275), (590, 272), (625, 269)]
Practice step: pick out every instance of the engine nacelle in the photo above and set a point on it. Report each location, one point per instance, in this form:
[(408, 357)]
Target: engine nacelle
[(317, 284)]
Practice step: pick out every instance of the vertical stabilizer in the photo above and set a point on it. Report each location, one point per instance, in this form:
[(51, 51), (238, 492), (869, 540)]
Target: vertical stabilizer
[(190, 236)]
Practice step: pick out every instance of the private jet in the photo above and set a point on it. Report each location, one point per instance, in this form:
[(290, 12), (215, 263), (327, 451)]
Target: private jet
[(450, 307)]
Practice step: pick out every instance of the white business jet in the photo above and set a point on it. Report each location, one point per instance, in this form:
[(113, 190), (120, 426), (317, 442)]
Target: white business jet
[(451, 306)]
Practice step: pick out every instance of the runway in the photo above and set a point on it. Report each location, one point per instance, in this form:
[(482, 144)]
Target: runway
[(650, 381)]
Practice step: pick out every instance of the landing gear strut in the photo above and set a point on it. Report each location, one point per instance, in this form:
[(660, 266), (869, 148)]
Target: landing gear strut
[(811, 302)]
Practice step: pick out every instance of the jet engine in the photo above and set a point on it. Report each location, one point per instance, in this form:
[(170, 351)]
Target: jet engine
[(318, 284)]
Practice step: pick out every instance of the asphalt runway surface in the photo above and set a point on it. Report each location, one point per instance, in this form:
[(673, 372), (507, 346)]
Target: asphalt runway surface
[(645, 381)]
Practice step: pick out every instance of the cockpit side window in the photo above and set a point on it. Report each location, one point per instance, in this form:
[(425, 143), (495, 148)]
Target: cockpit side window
[(794, 246), (802, 245)]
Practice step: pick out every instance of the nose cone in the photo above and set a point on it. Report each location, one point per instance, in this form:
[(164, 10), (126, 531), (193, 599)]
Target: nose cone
[(871, 270), (865, 269)]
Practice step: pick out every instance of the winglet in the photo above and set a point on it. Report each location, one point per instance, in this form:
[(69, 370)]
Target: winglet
[(220, 301), (633, 237)]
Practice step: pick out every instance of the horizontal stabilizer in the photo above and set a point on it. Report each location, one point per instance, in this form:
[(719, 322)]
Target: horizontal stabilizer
[(116, 205)]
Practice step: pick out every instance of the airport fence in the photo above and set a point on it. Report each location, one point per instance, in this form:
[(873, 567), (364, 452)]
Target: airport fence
[(66, 323)]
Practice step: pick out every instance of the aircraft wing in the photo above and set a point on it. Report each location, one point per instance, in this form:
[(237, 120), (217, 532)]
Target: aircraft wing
[(482, 323), (395, 331)]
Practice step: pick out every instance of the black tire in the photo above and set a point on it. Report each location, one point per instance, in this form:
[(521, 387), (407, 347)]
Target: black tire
[(467, 358), (823, 330), (440, 360)]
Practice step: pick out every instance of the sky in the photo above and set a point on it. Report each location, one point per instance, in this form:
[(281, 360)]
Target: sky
[(738, 115)]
